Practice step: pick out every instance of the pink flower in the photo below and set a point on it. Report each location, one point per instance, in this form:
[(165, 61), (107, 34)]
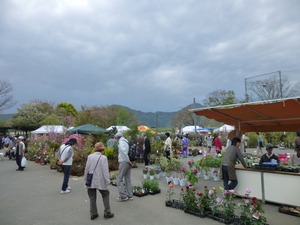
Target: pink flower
[(183, 169), (210, 192), (248, 190), (190, 163), (218, 200), (195, 171), (231, 191), (246, 201)]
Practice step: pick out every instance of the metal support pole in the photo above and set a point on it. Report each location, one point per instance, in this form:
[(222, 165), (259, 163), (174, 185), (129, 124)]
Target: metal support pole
[(280, 84)]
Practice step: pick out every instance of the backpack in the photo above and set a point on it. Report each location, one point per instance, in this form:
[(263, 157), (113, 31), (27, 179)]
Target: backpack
[(131, 151)]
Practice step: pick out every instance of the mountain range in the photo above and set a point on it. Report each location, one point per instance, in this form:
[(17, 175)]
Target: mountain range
[(150, 119)]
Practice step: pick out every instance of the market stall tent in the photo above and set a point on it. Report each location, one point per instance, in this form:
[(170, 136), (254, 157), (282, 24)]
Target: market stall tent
[(87, 129), (189, 129), (119, 128), (264, 116), (46, 129)]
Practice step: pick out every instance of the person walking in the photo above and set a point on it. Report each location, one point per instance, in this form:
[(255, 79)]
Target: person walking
[(259, 143), (209, 140), (185, 145), (65, 155), (168, 146), (228, 164), (217, 144), (20, 152), (124, 177), (147, 149), (97, 164)]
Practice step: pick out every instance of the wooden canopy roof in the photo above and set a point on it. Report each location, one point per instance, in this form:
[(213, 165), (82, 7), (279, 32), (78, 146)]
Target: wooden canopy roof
[(267, 116)]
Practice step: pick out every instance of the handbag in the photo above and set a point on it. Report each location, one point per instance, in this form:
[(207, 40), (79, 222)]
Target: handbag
[(89, 176), (23, 162)]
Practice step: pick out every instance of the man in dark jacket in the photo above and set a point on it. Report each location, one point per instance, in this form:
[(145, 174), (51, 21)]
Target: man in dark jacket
[(147, 149), (269, 156), (228, 165)]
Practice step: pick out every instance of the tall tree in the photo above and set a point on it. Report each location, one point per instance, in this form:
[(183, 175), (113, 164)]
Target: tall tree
[(220, 97), (30, 116), (105, 116), (273, 88), (183, 118), (6, 99), (67, 113)]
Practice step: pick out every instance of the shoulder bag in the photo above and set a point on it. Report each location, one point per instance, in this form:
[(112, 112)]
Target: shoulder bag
[(89, 177)]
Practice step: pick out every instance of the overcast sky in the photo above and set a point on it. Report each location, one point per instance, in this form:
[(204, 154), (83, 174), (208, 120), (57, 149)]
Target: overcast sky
[(146, 55)]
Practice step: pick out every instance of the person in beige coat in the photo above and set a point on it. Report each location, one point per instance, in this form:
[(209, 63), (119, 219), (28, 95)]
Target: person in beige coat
[(98, 165), (228, 164)]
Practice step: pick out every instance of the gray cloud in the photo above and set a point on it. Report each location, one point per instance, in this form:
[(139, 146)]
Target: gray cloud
[(149, 56)]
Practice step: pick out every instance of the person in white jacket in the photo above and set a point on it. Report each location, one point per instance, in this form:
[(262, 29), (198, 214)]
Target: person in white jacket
[(97, 164)]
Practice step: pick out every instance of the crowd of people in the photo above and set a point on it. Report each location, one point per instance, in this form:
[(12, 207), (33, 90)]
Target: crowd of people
[(15, 148), (97, 163)]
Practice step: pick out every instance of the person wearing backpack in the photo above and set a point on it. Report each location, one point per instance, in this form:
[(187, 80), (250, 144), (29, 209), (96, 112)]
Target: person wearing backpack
[(124, 177)]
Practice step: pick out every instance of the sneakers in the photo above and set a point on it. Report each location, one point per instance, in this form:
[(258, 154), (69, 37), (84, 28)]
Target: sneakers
[(65, 192), (69, 188), (119, 199), (108, 215), (130, 198), (94, 216)]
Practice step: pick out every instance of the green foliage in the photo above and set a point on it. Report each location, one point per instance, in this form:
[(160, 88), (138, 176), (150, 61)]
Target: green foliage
[(188, 196), (154, 186), (109, 153), (51, 119), (220, 97), (65, 108), (30, 116), (146, 184)]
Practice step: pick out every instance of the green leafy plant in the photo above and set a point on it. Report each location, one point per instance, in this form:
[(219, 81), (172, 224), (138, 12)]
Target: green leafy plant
[(188, 196), (154, 186)]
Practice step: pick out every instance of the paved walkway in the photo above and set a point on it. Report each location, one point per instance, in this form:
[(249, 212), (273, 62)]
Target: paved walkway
[(32, 198)]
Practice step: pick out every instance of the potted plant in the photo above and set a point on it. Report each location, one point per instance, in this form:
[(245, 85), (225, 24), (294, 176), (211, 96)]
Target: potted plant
[(152, 173), (228, 206), (146, 184), (170, 193), (188, 196), (157, 172), (191, 173), (145, 172), (251, 210), (139, 191), (154, 187)]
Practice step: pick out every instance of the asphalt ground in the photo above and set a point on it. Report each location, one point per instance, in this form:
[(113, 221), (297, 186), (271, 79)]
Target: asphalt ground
[(32, 197)]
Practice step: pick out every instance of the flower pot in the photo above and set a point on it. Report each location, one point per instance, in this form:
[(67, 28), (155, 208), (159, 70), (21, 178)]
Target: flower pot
[(182, 182), (175, 181), (206, 177), (163, 174), (145, 176), (216, 178), (169, 179), (157, 176), (151, 177)]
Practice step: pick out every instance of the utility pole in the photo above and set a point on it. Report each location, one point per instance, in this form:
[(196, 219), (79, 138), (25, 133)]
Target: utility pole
[(156, 123), (195, 115)]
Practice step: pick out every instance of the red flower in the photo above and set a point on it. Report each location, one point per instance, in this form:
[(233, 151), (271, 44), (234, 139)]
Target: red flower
[(181, 189), (205, 186)]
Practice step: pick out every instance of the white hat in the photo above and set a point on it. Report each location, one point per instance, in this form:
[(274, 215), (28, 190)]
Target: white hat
[(118, 135), (21, 138)]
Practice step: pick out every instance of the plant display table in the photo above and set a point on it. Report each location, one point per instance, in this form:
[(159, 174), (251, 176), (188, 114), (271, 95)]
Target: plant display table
[(272, 186)]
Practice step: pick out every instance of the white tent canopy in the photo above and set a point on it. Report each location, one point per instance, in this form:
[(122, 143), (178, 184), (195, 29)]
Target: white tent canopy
[(119, 128), (189, 129), (224, 128), (46, 129)]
